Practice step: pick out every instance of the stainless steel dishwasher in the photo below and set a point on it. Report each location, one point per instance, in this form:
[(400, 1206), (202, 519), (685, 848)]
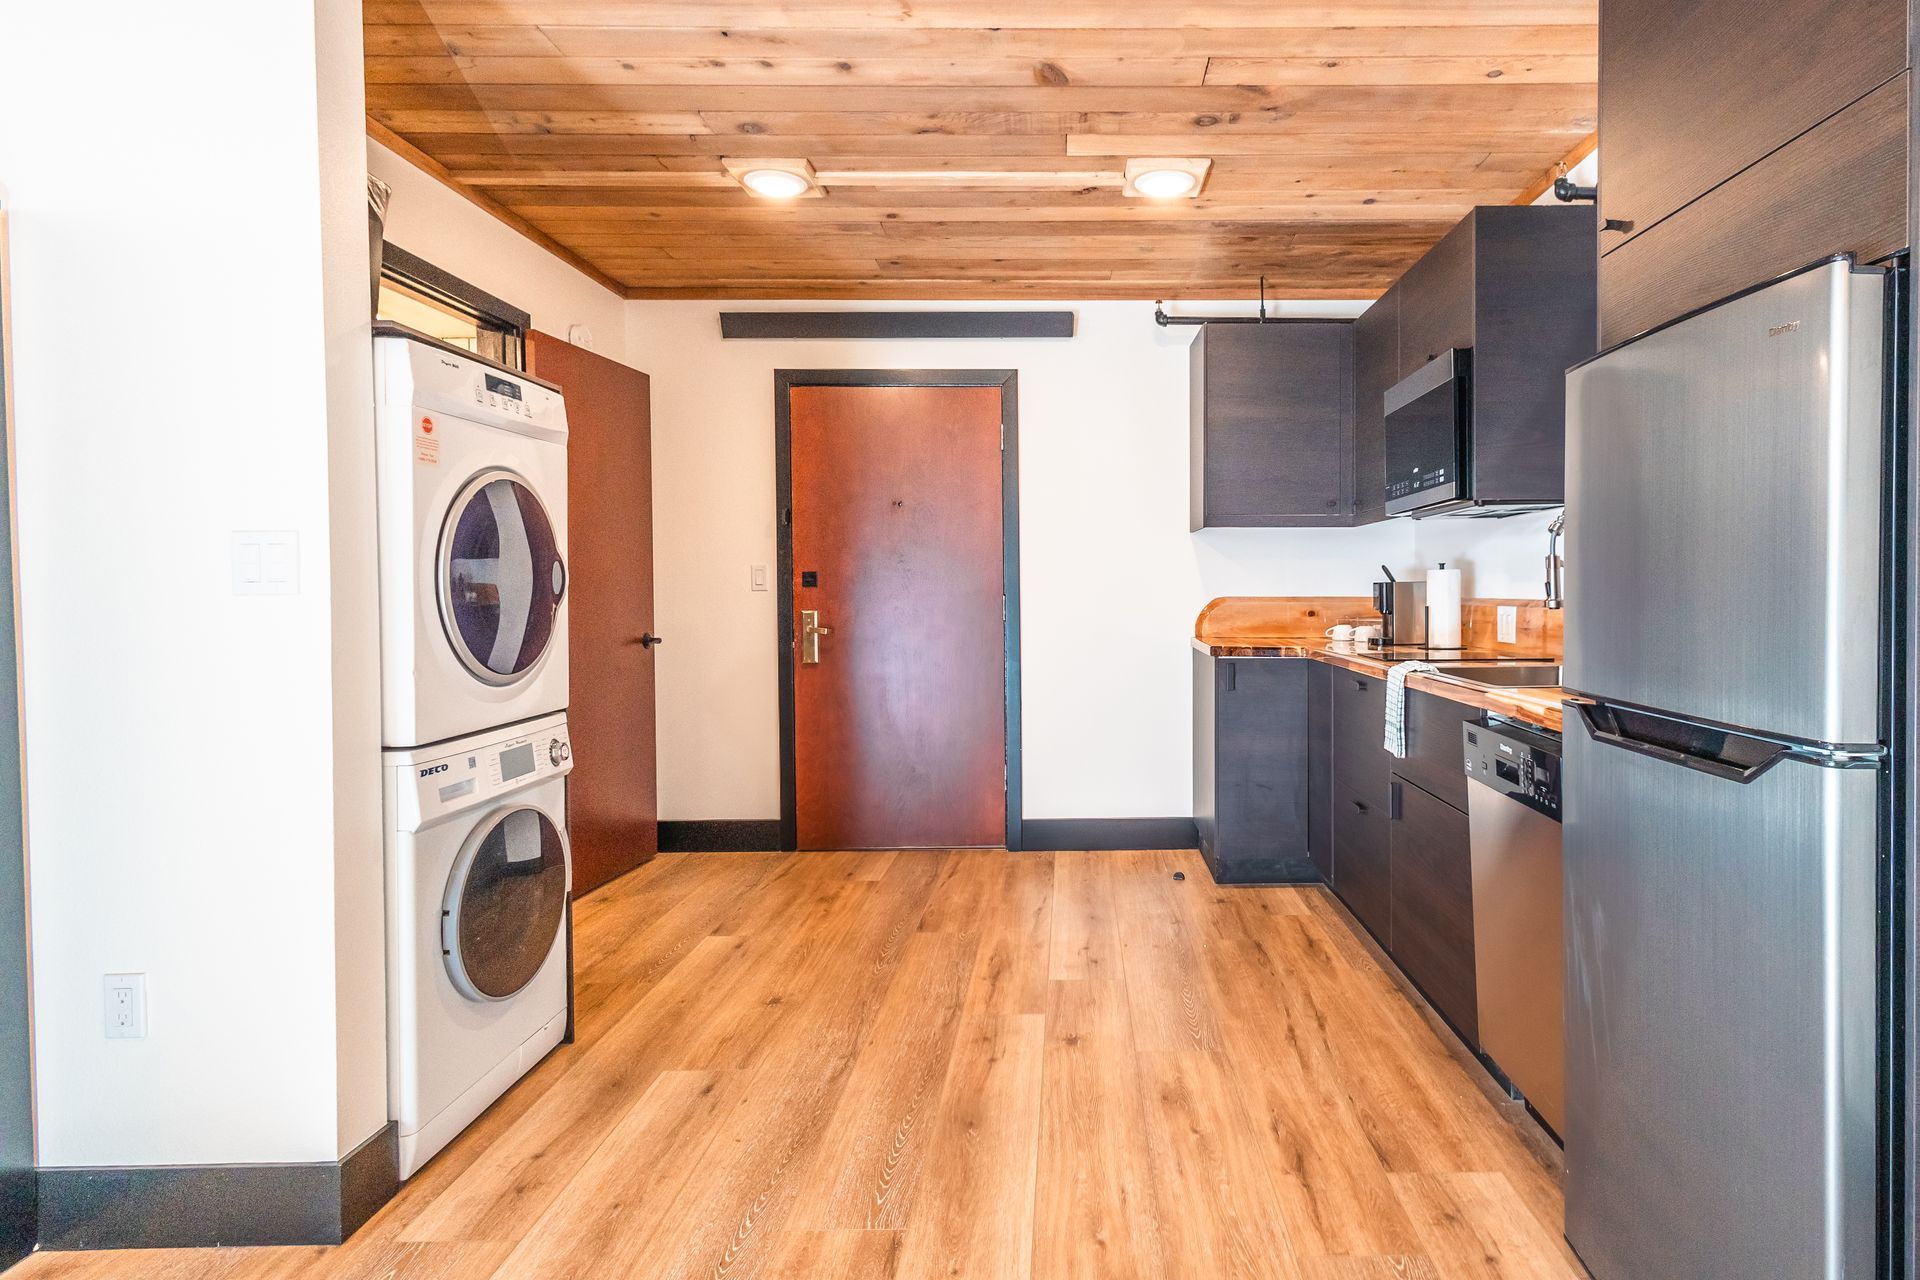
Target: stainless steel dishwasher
[(1519, 960)]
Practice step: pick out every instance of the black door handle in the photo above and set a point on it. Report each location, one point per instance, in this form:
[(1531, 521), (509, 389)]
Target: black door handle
[(648, 640)]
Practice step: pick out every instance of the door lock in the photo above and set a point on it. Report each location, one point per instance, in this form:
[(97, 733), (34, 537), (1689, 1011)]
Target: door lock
[(810, 633)]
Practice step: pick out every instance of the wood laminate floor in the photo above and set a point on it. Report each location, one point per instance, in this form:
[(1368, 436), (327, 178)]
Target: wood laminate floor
[(855, 1066)]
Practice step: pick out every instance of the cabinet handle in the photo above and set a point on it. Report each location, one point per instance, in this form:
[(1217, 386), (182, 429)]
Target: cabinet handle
[(1393, 801), (1360, 684), (1360, 805), (1233, 674)]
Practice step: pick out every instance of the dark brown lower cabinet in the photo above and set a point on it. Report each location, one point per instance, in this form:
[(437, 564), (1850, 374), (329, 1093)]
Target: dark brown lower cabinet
[(1400, 850), (1362, 856), (1320, 769), (1252, 761), (1432, 911), (1362, 870)]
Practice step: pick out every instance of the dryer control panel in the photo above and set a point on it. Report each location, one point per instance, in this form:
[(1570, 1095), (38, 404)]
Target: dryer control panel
[(449, 382), (476, 773)]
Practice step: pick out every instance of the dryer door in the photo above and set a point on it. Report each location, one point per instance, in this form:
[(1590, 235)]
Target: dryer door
[(504, 903), (501, 577)]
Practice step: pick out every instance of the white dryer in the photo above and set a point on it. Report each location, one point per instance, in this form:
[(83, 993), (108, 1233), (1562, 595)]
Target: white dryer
[(472, 462), (478, 872)]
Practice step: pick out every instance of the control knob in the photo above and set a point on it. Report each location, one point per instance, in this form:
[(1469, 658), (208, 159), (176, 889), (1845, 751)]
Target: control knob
[(556, 752)]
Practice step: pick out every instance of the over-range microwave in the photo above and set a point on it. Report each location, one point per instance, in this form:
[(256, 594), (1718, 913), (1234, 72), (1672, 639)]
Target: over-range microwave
[(1429, 430)]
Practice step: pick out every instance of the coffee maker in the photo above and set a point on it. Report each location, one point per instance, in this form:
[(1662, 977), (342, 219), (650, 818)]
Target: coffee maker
[(1403, 612)]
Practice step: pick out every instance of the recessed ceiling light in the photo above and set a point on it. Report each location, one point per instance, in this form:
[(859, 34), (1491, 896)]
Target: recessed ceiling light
[(774, 179), (1165, 184), (775, 184), (1166, 179)]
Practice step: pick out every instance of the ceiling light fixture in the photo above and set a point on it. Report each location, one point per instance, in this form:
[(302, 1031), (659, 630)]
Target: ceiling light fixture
[(1166, 179), (774, 179)]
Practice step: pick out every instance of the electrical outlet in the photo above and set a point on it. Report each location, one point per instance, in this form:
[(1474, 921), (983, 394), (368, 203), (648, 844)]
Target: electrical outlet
[(126, 995), (1507, 623)]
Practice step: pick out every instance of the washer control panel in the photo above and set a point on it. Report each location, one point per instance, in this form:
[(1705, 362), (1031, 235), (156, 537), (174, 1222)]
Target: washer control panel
[(479, 772)]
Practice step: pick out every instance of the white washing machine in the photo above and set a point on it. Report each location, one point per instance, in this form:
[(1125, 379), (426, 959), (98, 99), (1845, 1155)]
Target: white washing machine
[(472, 462), (477, 878)]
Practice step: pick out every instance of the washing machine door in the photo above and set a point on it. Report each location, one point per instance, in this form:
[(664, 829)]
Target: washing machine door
[(501, 577), (504, 903)]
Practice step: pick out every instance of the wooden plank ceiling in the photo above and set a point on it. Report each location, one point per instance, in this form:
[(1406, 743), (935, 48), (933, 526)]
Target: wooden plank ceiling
[(973, 148)]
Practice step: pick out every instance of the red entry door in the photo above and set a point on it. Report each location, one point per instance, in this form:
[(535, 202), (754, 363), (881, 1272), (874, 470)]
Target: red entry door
[(612, 807), (900, 725)]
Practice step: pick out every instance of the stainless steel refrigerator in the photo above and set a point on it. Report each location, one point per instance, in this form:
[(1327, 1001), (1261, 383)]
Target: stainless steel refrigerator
[(1729, 518)]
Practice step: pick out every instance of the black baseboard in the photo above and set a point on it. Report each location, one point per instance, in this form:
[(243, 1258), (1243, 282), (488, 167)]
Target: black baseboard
[(232, 1204), (19, 1222), (1069, 834), (721, 835)]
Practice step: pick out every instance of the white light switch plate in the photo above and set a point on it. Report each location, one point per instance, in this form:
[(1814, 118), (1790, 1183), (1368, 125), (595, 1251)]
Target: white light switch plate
[(1507, 622), (126, 1006), (266, 562), (757, 577)]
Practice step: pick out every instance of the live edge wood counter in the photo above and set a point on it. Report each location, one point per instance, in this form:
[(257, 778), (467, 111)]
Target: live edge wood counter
[(1245, 628)]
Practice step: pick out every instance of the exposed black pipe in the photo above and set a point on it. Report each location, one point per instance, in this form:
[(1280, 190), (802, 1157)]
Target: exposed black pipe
[(1161, 318), (1565, 192)]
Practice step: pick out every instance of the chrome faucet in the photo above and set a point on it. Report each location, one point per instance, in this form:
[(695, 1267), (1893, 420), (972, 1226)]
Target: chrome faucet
[(1555, 561)]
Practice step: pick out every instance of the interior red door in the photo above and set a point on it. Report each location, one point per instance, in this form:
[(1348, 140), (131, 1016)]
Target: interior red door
[(612, 808), (900, 725)]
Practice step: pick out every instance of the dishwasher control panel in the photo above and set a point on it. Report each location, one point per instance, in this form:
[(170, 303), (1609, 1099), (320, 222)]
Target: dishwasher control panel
[(1517, 762)]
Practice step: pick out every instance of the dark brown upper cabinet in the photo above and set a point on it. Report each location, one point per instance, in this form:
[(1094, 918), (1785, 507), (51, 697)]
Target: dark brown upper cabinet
[(1272, 424), (1514, 284), (1741, 141), (1376, 366), (1691, 94)]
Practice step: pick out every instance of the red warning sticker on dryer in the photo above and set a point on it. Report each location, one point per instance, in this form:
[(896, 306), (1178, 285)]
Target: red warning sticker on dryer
[(426, 448)]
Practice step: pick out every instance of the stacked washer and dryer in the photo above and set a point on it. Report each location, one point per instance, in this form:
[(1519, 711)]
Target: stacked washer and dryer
[(472, 469)]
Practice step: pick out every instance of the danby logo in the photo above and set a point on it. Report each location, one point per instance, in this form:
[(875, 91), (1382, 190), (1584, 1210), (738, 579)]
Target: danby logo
[(1790, 327), (432, 769)]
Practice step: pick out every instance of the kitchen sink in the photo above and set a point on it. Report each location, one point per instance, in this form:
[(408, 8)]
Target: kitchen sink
[(1512, 675)]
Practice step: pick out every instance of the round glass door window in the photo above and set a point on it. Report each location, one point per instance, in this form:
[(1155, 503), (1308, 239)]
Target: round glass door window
[(504, 904), (501, 577)]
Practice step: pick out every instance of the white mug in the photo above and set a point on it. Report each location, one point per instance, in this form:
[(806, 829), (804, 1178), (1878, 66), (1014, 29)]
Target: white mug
[(1342, 632), (1366, 634)]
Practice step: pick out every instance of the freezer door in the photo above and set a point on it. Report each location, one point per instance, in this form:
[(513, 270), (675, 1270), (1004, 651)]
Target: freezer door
[(1723, 512), (1720, 1007)]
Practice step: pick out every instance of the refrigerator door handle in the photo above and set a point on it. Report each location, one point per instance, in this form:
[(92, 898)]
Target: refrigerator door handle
[(1724, 754)]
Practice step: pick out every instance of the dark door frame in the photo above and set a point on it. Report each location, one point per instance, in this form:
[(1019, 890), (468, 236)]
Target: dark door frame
[(784, 381)]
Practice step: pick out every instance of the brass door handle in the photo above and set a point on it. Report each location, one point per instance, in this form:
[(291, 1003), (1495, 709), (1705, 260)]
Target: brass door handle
[(810, 633)]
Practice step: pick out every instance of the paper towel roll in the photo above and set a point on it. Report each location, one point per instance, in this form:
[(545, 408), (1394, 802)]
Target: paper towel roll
[(1443, 608)]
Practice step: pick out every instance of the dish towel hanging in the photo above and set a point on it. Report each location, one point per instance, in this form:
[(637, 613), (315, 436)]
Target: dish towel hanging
[(1396, 742)]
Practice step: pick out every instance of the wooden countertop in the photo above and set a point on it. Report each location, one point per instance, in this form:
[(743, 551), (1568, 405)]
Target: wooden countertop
[(1234, 638)]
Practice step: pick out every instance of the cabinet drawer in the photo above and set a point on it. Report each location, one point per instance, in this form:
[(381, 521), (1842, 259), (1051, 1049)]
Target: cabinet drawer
[(1362, 856), (1359, 726), (1431, 881), (1436, 759)]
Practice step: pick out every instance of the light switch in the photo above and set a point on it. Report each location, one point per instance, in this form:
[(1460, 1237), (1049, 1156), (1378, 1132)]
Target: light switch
[(1507, 624), (758, 577), (266, 562)]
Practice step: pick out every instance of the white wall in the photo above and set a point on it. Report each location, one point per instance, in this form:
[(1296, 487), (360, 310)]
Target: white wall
[(1111, 578), (454, 234), (1498, 558), (202, 785)]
